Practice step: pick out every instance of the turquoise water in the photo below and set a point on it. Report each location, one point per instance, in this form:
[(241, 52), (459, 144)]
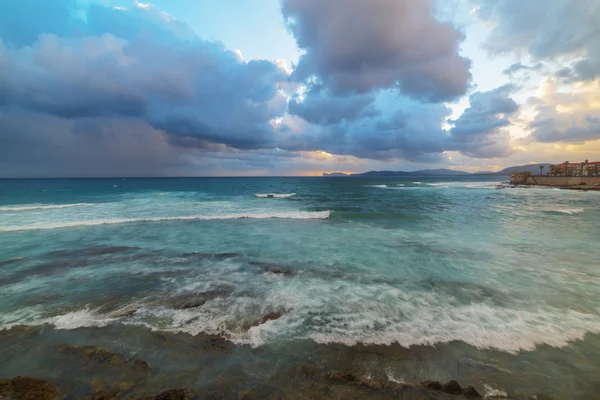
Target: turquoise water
[(411, 263)]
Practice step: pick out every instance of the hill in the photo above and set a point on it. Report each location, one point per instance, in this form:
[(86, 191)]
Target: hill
[(533, 168)]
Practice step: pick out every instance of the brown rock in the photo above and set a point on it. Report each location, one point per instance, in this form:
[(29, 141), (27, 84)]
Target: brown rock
[(242, 394), (433, 385), (26, 388), (340, 376), (142, 365), (270, 317), (124, 386), (193, 303), (5, 387), (175, 394), (452, 387), (102, 395), (96, 354), (471, 393)]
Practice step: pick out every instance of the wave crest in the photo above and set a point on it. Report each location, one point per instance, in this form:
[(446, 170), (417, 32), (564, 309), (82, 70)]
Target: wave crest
[(274, 195), (115, 221), (42, 207)]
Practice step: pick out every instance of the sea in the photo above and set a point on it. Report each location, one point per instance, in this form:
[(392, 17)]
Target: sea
[(257, 287)]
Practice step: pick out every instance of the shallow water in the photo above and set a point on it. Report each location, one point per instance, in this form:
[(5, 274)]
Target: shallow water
[(406, 279)]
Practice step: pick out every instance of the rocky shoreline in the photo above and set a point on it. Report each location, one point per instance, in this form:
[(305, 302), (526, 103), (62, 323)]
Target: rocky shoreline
[(120, 362), (28, 388)]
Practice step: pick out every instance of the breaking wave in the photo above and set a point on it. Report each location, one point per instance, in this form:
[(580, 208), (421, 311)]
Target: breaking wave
[(274, 195), (569, 211), (311, 314), (73, 224), (42, 207)]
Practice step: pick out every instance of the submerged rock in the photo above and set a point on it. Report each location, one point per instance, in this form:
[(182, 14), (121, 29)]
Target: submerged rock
[(26, 388), (274, 268), (91, 251), (190, 300), (97, 354), (102, 395), (105, 357), (11, 261), (176, 394), (124, 312)]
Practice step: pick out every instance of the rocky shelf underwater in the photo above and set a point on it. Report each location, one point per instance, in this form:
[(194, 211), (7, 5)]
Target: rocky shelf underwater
[(210, 367)]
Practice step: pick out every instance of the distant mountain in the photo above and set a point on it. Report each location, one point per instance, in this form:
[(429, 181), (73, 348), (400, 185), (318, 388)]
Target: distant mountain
[(442, 171), (533, 168), (423, 172)]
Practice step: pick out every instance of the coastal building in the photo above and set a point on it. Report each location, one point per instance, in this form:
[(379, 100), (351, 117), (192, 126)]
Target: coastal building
[(585, 168), (583, 175)]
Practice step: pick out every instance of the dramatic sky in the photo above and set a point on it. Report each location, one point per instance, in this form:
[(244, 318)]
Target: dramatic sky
[(295, 87)]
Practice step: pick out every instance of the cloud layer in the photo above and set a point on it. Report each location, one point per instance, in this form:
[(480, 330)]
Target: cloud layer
[(357, 46), (106, 90)]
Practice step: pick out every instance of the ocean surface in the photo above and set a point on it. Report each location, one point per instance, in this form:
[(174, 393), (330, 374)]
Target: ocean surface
[(401, 279)]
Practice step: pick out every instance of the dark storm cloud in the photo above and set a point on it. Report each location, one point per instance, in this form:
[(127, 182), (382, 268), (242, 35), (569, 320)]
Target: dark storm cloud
[(34, 144), (478, 131), (321, 107), (408, 130), (358, 46), (548, 30), (155, 70), (412, 130)]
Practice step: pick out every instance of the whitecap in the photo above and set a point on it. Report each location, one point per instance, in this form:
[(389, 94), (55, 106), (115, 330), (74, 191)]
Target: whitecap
[(569, 211), (83, 318), (417, 183), (274, 195), (491, 392), (114, 221), (42, 207), (377, 186)]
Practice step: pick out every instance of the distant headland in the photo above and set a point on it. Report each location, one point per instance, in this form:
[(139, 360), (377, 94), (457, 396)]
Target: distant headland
[(444, 172)]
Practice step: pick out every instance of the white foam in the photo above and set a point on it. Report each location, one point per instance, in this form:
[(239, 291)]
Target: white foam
[(42, 207), (417, 183), (265, 215), (83, 318), (334, 311), (274, 195), (400, 184), (570, 211), (377, 186), (491, 392)]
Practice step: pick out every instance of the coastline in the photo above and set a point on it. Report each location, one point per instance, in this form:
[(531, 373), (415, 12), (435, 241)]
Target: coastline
[(125, 362)]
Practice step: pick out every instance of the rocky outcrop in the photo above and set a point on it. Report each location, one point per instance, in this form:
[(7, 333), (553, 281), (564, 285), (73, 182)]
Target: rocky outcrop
[(176, 394), (26, 388), (274, 268), (452, 387), (106, 357)]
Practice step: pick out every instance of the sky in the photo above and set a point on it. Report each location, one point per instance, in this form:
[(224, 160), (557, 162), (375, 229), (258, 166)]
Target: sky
[(102, 88)]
